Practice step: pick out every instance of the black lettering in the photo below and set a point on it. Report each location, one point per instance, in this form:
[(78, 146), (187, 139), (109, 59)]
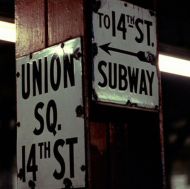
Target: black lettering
[(132, 20), (148, 24), (112, 75), (26, 81), (141, 35), (41, 149), (128, 19), (37, 76), (107, 21), (59, 175), (113, 24), (122, 77), (100, 19), (143, 87), (122, 25), (51, 107), (55, 61), (68, 70), (31, 164), (71, 142), (45, 75), (44, 147), (133, 79), (39, 117), (47, 149), (103, 74), (150, 79), (23, 170)]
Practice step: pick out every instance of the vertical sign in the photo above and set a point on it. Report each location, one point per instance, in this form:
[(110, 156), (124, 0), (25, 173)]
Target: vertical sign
[(50, 134), (125, 70)]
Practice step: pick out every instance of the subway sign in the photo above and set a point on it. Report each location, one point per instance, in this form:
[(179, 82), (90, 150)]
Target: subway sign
[(50, 134), (125, 55)]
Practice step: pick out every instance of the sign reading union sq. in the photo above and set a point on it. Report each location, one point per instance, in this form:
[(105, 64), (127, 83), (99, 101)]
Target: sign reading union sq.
[(50, 134), (125, 70)]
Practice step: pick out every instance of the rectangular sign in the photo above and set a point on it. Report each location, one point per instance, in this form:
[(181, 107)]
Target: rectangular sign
[(50, 134), (125, 70)]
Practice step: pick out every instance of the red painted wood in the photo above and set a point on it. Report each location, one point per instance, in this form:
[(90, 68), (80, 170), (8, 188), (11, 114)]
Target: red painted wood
[(99, 154), (65, 20), (30, 26)]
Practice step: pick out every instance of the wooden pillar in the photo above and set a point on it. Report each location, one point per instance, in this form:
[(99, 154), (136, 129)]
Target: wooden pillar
[(123, 146)]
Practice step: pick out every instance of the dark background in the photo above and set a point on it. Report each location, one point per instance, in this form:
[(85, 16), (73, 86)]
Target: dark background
[(7, 103)]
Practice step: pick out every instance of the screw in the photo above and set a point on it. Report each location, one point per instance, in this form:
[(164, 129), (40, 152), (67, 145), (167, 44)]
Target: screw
[(32, 184), (128, 103), (18, 74), (83, 168), (67, 182), (79, 111), (30, 55), (77, 54), (62, 45), (156, 107), (152, 13), (18, 124), (94, 49), (96, 5)]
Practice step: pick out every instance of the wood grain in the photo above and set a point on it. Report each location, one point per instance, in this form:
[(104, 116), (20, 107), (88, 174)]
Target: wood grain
[(65, 20), (30, 26)]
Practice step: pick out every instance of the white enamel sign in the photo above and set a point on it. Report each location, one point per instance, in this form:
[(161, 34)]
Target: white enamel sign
[(50, 134), (125, 70)]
